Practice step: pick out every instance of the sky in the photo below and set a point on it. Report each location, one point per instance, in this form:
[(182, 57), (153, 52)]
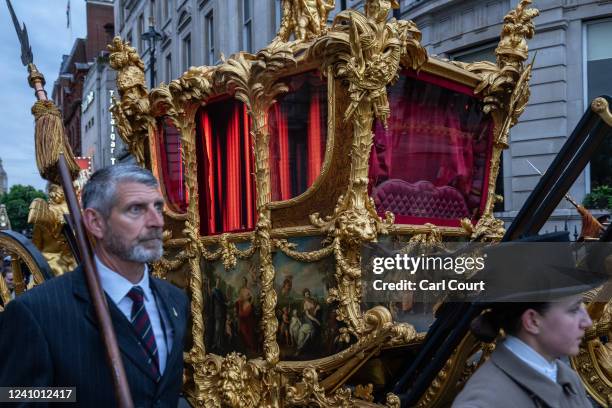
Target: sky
[(50, 39)]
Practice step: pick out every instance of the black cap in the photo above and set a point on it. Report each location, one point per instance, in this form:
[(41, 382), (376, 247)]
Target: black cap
[(542, 268)]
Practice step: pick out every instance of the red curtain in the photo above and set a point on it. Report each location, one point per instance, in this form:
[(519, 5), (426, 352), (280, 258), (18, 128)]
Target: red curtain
[(298, 129), (249, 154), (226, 173), (280, 148), (172, 172), (438, 133), (314, 138)]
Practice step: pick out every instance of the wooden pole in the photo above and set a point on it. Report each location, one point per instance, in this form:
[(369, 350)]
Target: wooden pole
[(120, 383), (122, 388)]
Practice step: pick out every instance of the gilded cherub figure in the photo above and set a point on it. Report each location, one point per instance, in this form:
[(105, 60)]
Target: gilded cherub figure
[(48, 220), (306, 19)]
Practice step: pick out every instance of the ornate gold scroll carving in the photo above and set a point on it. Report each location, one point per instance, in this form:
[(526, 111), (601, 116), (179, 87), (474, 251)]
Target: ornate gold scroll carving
[(594, 361), (180, 100), (253, 80), (232, 381), (365, 51), (131, 112)]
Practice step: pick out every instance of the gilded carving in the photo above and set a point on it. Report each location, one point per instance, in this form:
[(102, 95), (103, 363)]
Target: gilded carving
[(253, 80), (177, 100), (131, 112), (365, 51), (433, 236), (289, 249), (310, 393), (305, 19), (232, 381), (594, 362), (364, 392), (48, 220), (487, 229)]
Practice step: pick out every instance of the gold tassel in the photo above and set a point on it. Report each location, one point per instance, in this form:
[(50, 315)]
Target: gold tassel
[(50, 141)]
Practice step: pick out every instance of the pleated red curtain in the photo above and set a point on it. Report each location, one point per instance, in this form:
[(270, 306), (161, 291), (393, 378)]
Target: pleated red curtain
[(227, 191), (171, 163)]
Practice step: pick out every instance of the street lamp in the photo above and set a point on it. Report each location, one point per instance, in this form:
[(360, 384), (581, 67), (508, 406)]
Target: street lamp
[(152, 37)]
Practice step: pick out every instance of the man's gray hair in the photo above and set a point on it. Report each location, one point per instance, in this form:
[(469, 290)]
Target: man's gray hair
[(100, 192)]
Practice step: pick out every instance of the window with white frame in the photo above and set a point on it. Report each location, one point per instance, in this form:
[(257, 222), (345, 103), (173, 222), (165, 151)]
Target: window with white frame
[(247, 27), (598, 68), (210, 38), (186, 52)]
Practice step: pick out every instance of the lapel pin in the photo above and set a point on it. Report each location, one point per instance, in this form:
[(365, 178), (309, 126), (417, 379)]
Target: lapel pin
[(174, 310)]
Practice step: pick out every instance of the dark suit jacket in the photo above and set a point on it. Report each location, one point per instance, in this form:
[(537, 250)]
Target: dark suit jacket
[(49, 337)]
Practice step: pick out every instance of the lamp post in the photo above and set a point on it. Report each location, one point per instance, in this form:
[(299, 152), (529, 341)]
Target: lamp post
[(152, 37)]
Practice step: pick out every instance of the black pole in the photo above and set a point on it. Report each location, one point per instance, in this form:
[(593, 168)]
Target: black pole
[(152, 37), (152, 64)]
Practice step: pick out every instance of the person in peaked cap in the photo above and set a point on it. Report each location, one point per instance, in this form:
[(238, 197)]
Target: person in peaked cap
[(537, 300)]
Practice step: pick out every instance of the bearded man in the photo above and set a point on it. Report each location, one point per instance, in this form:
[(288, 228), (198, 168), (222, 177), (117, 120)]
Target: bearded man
[(50, 336)]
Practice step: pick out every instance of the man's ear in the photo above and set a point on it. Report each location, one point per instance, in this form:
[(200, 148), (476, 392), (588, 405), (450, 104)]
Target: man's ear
[(94, 223), (530, 321)]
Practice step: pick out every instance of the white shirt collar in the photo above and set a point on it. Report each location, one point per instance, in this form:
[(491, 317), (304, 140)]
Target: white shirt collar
[(531, 357), (116, 286)]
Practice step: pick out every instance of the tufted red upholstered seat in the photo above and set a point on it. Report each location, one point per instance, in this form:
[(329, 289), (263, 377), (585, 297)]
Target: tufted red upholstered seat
[(420, 199)]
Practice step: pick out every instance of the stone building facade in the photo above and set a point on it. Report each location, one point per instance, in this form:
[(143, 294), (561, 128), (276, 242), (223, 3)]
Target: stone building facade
[(99, 137), (68, 87), (200, 32)]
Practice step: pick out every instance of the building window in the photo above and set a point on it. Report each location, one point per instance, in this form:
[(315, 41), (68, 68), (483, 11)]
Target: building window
[(121, 14), (140, 33), (247, 35), (128, 37), (485, 53), (168, 67), (166, 7), (598, 66), (210, 39), (186, 52)]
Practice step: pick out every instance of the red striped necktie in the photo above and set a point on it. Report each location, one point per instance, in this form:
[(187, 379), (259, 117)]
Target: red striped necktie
[(144, 331)]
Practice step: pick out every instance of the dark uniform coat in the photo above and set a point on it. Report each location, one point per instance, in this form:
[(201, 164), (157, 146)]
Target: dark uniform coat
[(505, 381), (49, 337)]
